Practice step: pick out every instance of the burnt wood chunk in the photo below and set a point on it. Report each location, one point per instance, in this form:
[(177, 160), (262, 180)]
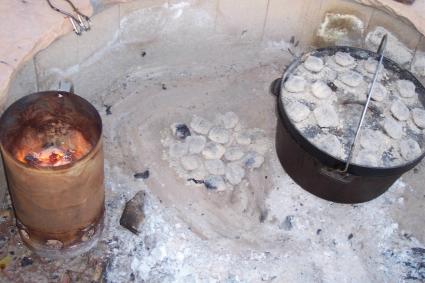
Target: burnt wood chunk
[(133, 214)]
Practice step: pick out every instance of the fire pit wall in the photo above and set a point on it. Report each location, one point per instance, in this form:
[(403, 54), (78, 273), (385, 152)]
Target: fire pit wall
[(268, 22)]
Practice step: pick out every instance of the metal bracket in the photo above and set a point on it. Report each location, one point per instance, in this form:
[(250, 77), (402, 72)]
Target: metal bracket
[(79, 21)]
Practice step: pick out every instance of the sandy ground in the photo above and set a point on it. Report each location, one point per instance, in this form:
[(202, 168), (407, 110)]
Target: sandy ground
[(272, 231)]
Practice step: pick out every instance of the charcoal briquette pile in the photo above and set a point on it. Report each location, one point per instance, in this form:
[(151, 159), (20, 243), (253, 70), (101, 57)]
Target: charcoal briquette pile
[(324, 98), (216, 154)]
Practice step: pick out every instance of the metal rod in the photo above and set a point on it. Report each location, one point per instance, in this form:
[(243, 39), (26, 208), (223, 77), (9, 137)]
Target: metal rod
[(369, 96), (82, 25)]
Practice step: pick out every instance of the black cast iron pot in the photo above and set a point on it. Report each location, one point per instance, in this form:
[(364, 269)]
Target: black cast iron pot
[(320, 173)]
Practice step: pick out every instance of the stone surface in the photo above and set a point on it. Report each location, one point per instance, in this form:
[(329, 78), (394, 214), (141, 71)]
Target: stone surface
[(412, 14), (22, 36), (248, 24)]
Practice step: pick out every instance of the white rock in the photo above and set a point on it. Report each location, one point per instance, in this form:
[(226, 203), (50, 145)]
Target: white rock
[(419, 117), (330, 144), (229, 120), (400, 110), (213, 182), (178, 149), (243, 138), (196, 144), (213, 150), (190, 162), (321, 90), (219, 135), (253, 160), (379, 92), (234, 173), (410, 149), (371, 139), (295, 84), (200, 125), (234, 153), (326, 116), (314, 64), (406, 89), (215, 166), (370, 65), (393, 128), (344, 59), (351, 78), (367, 157), (297, 111)]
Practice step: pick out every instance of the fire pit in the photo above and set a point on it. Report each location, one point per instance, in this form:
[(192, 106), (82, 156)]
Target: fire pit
[(53, 157)]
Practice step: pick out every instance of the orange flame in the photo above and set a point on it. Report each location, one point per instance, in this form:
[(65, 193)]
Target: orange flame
[(59, 150)]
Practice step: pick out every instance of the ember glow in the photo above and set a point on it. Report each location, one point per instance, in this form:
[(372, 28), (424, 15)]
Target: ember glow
[(51, 151)]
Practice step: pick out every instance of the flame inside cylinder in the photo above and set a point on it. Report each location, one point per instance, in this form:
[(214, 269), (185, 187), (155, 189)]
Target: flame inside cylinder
[(55, 144)]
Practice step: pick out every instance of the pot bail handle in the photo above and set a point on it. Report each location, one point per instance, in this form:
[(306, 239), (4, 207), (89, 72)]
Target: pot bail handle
[(380, 52)]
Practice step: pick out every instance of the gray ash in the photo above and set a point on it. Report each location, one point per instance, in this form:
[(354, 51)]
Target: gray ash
[(311, 131)]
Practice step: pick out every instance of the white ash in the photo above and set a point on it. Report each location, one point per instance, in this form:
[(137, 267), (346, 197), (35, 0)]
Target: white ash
[(214, 182), (338, 112), (400, 110), (243, 138), (218, 158), (393, 128), (321, 90), (234, 153), (372, 139), (196, 144), (213, 150), (419, 117), (406, 88), (344, 59), (326, 116), (178, 149), (297, 111), (367, 157), (295, 84), (234, 173), (351, 78), (410, 149), (229, 120), (253, 160), (314, 64), (215, 166), (191, 162), (370, 65), (219, 135), (331, 145), (379, 92), (200, 125)]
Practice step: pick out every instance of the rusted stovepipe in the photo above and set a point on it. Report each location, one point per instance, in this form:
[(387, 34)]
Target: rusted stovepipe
[(59, 210)]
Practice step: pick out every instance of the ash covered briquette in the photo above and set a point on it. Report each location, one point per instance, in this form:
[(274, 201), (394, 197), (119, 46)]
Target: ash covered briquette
[(216, 154)]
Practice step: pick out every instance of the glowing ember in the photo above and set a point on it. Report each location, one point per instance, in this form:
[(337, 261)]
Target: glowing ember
[(61, 149)]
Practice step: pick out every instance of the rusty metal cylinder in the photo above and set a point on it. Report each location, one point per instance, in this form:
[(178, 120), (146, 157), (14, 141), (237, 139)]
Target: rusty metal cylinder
[(59, 210)]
